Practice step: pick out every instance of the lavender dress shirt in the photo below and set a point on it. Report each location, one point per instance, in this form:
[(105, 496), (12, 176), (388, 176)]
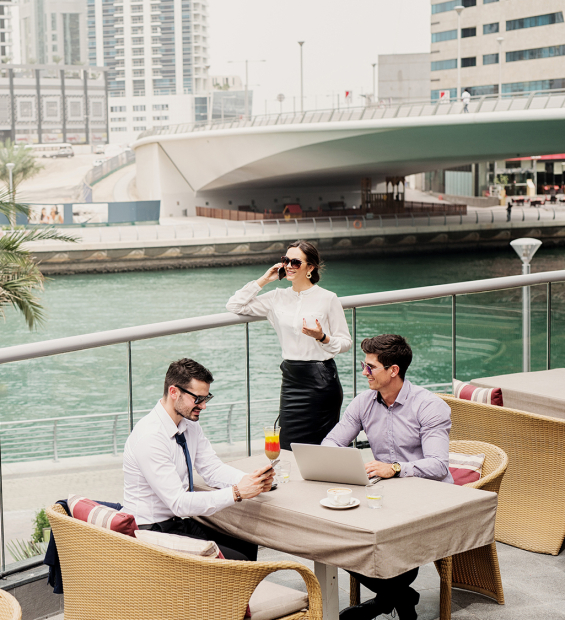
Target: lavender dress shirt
[(413, 431)]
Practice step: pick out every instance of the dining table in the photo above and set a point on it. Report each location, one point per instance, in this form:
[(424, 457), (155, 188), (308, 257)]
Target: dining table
[(420, 521)]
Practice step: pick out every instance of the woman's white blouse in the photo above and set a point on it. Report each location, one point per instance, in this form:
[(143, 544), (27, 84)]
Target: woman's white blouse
[(285, 309)]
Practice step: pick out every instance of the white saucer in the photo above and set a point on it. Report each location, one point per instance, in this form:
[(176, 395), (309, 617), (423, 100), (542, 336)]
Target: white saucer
[(352, 504)]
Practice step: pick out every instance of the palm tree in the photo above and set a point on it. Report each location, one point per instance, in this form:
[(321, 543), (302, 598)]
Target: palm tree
[(20, 276), (25, 167)]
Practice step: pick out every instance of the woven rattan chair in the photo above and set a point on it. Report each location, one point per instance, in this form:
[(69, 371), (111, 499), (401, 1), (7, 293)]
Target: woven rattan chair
[(476, 570), (530, 511), (107, 575), (9, 607)]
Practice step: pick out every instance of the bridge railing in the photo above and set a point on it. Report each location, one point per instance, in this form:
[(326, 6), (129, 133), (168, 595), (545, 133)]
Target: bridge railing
[(534, 100)]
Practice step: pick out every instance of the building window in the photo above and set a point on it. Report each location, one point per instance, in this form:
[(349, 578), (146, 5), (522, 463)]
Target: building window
[(446, 35), (489, 1), (137, 19), (53, 21), (118, 108), (137, 8), (139, 108), (55, 48), (71, 38), (442, 65), (52, 110), (490, 28), (137, 41), (533, 22), (96, 109), (138, 62), (160, 118), (137, 30), (138, 118), (137, 51), (471, 61), (139, 128), (468, 32), (160, 106), (75, 110), (138, 72), (490, 59), (534, 54), (25, 109), (118, 119), (442, 7), (521, 87), (118, 129)]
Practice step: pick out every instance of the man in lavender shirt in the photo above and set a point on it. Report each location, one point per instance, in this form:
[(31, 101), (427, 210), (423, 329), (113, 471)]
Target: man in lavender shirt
[(408, 432)]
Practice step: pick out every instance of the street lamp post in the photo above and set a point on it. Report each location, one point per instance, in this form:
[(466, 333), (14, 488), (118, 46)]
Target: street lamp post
[(500, 40), (459, 9), (301, 43), (374, 89), (11, 167), (526, 248)]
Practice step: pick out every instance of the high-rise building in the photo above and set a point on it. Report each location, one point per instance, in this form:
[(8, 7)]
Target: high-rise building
[(515, 44), (157, 55), (9, 32), (53, 31)]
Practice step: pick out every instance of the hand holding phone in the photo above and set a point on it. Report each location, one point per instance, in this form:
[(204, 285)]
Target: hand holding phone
[(282, 273)]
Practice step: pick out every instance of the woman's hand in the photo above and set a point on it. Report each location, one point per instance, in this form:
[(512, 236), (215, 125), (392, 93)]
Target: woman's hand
[(316, 332), (270, 275)]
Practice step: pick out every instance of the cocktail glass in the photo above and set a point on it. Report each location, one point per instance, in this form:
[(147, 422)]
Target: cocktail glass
[(272, 442)]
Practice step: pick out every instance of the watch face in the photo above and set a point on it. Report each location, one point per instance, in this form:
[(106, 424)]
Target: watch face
[(396, 467)]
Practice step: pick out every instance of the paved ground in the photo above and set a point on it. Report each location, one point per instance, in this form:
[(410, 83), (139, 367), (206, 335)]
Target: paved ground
[(533, 583), (116, 187)]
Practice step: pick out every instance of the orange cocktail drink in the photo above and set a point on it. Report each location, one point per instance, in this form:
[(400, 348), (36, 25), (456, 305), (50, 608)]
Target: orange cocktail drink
[(272, 442)]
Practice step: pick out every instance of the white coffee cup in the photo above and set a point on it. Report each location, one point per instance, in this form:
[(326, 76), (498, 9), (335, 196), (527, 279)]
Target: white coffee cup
[(339, 496)]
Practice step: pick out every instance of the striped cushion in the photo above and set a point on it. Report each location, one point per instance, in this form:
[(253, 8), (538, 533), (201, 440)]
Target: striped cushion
[(465, 468), (86, 510), (466, 391)]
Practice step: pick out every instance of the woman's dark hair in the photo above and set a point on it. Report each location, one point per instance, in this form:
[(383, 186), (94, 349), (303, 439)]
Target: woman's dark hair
[(390, 349), (312, 258), (184, 371)]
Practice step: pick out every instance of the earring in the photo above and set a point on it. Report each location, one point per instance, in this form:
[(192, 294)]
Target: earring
[(309, 275)]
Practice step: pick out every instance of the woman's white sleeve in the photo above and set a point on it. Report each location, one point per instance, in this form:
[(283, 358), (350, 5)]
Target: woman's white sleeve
[(245, 301), (340, 339)]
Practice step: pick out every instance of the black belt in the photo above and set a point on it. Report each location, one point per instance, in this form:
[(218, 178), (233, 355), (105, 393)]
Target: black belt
[(149, 526)]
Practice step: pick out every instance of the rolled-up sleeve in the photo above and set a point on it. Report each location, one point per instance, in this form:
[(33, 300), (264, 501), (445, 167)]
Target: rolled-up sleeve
[(340, 338), (435, 424), (247, 301)]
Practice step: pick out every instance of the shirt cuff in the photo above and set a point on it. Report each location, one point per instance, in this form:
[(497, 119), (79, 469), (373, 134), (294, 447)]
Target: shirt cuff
[(406, 470)]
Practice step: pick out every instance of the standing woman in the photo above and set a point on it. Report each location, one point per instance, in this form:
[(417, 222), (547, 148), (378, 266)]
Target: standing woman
[(312, 330)]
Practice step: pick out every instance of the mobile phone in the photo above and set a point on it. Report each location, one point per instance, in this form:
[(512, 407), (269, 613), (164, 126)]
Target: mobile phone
[(282, 273)]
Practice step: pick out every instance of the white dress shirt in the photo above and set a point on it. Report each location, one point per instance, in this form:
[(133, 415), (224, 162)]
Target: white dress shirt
[(285, 309), (156, 475)]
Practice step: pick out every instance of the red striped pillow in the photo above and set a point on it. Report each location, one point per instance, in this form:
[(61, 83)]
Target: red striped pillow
[(86, 510), (466, 391)]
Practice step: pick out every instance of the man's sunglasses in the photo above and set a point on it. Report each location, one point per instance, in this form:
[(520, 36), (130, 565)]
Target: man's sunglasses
[(294, 262), (371, 369), (197, 399)]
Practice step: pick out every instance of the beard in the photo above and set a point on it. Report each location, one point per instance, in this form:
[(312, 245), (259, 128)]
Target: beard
[(188, 414)]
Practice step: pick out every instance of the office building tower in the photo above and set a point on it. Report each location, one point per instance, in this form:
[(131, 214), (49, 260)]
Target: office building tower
[(9, 32), (53, 32), (156, 52), (508, 46)]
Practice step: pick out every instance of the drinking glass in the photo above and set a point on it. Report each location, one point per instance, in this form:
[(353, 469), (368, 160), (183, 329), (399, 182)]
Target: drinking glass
[(374, 495), (283, 472), (272, 442)]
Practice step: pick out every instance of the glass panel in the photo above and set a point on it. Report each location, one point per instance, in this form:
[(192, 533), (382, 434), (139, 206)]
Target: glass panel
[(558, 325)]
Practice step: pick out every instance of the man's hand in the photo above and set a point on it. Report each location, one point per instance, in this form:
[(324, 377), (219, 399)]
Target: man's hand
[(376, 468), (256, 483)]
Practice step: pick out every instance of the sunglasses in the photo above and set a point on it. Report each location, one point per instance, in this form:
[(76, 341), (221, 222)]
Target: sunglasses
[(197, 399), (371, 369), (293, 262)]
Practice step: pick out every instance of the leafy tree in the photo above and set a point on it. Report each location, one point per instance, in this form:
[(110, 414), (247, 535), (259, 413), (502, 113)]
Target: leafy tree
[(20, 276), (26, 165)]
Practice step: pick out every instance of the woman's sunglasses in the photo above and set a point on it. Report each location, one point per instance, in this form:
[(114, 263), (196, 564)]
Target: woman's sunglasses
[(293, 262)]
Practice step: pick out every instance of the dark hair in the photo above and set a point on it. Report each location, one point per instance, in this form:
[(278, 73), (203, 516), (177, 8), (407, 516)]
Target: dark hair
[(390, 349), (184, 371), (312, 258)]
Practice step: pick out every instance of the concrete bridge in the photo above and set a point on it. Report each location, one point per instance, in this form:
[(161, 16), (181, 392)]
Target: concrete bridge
[(323, 155)]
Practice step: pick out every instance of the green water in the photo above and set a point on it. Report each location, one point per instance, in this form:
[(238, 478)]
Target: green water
[(86, 382)]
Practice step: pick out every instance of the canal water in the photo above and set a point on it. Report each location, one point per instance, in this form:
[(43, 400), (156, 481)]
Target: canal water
[(95, 382)]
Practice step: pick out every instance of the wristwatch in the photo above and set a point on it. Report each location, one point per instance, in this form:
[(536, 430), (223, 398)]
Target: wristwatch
[(396, 468)]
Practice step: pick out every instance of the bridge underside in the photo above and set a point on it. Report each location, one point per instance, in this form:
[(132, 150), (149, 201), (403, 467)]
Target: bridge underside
[(336, 154)]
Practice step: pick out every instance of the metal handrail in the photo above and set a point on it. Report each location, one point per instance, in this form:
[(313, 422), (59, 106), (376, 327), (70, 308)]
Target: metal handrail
[(427, 107), (168, 328)]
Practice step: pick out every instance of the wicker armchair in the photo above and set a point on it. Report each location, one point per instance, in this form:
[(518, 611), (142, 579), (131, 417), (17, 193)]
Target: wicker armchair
[(476, 570), (9, 607), (530, 511), (107, 575)]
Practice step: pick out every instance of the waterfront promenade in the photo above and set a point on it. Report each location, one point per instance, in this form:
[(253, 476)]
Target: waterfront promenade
[(200, 241), (533, 583)]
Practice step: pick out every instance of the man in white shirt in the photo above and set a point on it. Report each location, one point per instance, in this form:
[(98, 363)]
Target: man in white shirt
[(159, 456)]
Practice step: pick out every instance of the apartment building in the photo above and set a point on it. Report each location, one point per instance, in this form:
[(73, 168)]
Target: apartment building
[(156, 52), (9, 32), (518, 44)]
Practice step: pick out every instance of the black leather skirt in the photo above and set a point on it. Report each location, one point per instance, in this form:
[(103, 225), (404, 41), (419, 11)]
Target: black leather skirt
[(311, 397)]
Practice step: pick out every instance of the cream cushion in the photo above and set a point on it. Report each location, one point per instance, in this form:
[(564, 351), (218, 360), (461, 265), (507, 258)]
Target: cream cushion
[(270, 601), (184, 544)]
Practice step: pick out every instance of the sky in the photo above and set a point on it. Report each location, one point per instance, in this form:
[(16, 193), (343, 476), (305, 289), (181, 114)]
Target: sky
[(342, 38)]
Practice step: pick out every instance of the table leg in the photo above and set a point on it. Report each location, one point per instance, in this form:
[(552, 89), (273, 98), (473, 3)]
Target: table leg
[(327, 576)]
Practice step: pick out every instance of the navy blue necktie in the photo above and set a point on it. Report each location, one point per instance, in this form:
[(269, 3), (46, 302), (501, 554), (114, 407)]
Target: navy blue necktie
[(181, 440)]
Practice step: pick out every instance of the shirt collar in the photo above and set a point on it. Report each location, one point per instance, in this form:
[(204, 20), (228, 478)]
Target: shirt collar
[(402, 395), (308, 291), (171, 429)]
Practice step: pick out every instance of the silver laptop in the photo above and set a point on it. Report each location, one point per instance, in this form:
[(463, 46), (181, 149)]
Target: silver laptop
[(331, 464)]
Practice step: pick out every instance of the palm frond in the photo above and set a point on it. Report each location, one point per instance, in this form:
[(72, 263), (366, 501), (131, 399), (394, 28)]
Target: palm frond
[(17, 289)]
